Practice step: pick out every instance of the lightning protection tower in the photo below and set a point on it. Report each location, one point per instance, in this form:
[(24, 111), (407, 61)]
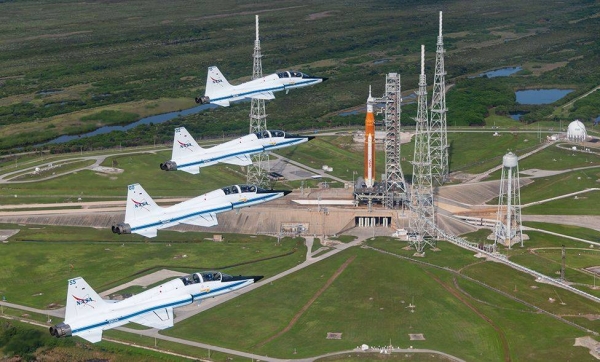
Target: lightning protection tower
[(422, 219), (394, 178), (439, 138), (508, 220), (258, 170)]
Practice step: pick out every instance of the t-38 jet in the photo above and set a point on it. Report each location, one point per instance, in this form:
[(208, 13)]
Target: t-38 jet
[(188, 156), (87, 315), (143, 216), (219, 91)]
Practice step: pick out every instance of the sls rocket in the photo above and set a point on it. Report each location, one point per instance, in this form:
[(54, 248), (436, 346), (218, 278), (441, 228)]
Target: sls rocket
[(369, 174)]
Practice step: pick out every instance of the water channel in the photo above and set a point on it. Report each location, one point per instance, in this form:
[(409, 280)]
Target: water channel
[(159, 118)]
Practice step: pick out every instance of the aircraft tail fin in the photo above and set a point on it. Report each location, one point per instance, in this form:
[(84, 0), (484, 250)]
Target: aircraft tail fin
[(216, 84), (184, 144), (139, 203), (82, 300)]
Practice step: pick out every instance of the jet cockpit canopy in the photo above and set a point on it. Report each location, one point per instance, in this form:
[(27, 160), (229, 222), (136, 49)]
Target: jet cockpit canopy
[(293, 74), (207, 276), (236, 189), (269, 134)]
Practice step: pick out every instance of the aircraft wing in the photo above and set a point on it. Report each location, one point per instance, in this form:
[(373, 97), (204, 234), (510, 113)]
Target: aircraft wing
[(240, 160), (194, 170), (159, 319), (149, 233), (264, 95), (205, 220), (92, 335)]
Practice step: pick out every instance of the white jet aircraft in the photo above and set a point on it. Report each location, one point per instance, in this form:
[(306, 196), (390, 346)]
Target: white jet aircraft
[(87, 315), (143, 216), (188, 156), (219, 91)]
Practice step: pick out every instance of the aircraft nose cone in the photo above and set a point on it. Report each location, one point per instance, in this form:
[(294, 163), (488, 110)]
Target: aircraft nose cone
[(257, 278), (324, 79), (286, 192), (310, 137)]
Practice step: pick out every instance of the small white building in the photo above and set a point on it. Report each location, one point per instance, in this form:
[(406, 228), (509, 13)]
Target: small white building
[(576, 131)]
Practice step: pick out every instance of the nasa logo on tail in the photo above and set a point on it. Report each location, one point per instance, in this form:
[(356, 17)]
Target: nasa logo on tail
[(216, 81), (184, 145), (138, 204), (85, 301)]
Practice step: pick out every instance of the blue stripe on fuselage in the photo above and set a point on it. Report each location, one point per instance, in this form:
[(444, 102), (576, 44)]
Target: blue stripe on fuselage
[(179, 303), (147, 310), (198, 213), (273, 89), (230, 155)]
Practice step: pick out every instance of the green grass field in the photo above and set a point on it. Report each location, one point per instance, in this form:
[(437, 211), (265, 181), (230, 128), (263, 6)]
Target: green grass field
[(42, 260), (365, 311)]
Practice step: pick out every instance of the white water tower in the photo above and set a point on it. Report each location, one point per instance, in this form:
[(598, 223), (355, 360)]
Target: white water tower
[(508, 220)]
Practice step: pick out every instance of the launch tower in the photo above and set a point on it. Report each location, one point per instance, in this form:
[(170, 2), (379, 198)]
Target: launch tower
[(257, 172), (439, 139), (394, 178), (422, 220), (508, 220)]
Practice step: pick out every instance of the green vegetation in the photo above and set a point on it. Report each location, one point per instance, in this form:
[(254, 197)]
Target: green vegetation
[(111, 117), (139, 168), (31, 342), (51, 255), (380, 310), (547, 187), (560, 157), (571, 230), (75, 61)]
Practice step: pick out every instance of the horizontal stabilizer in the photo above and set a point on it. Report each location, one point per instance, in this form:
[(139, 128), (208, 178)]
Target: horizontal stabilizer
[(92, 335), (205, 220), (149, 233), (159, 319), (241, 160), (194, 170), (223, 103), (264, 95)]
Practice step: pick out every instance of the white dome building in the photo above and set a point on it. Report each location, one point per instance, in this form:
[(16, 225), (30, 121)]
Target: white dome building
[(576, 131)]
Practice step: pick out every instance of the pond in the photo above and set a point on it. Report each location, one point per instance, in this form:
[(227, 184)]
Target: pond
[(503, 72), (540, 96), (159, 118), (517, 115)]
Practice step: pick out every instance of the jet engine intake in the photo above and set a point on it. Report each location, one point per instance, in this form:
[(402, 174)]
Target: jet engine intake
[(168, 166), (60, 330), (202, 100), (121, 229)]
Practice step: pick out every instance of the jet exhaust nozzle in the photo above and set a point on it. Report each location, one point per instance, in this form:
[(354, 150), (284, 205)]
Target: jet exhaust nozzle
[(121, 229), (202, 100), (168, 166), (60, 330)]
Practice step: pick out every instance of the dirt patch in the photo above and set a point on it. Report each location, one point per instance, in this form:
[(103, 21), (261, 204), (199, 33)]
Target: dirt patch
[(590, 343)]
